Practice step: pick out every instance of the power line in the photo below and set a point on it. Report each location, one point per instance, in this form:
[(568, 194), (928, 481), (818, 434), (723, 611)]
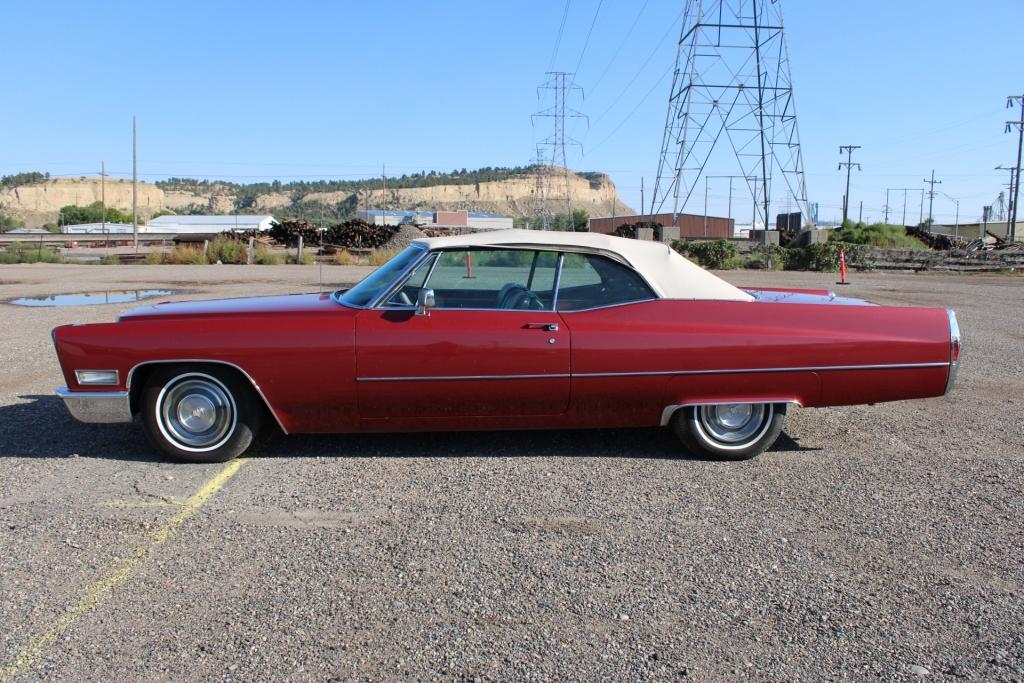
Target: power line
[(589, 32), (558, 38), (643, 66), (633, 110), (622, 43)]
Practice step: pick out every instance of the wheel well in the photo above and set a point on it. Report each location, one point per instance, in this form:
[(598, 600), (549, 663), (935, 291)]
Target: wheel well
[(780, 406), (139, 376)]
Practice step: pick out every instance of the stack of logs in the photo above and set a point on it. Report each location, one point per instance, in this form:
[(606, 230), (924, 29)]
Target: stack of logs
[(352, 234)]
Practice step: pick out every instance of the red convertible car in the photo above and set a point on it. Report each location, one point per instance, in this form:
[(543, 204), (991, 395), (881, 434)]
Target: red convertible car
[(504, 330)]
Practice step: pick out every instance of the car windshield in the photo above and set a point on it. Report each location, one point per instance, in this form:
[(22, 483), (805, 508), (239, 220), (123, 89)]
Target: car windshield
[(370, 288)]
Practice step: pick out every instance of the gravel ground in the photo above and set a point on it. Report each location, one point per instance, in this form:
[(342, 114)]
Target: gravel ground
[(873, 542)]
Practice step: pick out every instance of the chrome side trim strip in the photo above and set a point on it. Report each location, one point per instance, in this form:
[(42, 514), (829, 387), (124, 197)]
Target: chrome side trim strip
[(131, 373), (734, 371), (97, 406), (456, 378), (656, 373)]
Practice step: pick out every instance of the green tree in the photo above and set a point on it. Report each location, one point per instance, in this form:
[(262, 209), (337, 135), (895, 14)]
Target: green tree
[(8, 223), (93, 213)]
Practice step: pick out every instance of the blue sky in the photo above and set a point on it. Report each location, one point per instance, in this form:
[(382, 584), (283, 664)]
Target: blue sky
[(256, 90)]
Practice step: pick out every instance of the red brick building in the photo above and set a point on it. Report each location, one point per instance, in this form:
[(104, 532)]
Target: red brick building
[(690, 225)]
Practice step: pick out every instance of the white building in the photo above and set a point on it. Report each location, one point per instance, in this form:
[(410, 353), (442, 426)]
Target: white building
[(99, 229), (477, 220), (206, 224)]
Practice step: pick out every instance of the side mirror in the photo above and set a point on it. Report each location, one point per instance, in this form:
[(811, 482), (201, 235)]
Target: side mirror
[(425, 301)]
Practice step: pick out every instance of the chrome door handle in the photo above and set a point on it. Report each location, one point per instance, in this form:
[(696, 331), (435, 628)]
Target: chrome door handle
[(550, 327)]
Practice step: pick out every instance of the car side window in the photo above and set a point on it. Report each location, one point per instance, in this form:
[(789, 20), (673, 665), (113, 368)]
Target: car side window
[(409, 292), (499, 279), (590, 281)]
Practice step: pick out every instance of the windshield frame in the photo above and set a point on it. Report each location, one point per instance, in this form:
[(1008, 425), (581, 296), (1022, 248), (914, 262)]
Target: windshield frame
[(339, 296)]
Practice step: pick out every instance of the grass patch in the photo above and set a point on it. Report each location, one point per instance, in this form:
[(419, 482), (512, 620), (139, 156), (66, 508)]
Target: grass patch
[(226, 251), (264, 257), (876, 235), (23, 253), (187, 256), (343, 258), (307, 259), (378, 257)]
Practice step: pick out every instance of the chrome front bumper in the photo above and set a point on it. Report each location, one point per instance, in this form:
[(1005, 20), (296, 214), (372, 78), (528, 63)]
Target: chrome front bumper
[(97, 406)]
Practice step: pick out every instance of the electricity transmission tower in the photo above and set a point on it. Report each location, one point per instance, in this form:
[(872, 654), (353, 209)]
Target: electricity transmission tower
[(732, 91), (561, 86)]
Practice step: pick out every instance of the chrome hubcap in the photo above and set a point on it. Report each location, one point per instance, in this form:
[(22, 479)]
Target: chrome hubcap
[(734, 424), (196, 412)]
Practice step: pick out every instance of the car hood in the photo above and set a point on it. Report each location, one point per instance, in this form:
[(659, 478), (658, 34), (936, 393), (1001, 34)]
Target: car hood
[(246, 306), (803, 296)]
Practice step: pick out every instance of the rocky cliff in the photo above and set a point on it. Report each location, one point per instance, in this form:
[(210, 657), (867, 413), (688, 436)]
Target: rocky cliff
[(40, 203)]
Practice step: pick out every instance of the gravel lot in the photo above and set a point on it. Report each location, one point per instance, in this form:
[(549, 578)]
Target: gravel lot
[(874, 542)]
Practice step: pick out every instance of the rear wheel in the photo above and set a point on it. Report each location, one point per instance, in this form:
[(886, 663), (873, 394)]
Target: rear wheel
[(729, 431), (199, 414)]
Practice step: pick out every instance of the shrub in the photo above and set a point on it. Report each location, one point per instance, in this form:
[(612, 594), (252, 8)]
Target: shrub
[(378, 257), (155, 258), (265, 257), (30, 255), (110, 260), (343, 258), (718, 254), (226, 250), (876, 235), (188, 256), (307, 259), (824, 256)]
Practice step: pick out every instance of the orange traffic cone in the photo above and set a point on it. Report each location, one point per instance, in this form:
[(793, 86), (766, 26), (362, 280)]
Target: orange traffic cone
[(842, 267)]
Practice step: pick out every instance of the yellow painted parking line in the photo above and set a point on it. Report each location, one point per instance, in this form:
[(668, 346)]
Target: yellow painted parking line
[(116, 573)]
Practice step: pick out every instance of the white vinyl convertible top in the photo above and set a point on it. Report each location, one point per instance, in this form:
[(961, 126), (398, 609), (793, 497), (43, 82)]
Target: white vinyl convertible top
[(671, 275)]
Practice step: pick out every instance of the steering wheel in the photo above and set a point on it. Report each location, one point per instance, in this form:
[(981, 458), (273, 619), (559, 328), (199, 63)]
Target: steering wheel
[(527, 301)]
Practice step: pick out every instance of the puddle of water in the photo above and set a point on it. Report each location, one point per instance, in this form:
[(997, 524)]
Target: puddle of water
[(91, 298)]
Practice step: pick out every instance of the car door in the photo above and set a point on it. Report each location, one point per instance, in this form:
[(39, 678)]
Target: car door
[(492, 345)]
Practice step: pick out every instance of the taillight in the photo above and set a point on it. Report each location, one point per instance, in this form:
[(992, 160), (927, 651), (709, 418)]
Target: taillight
[(955, 355)]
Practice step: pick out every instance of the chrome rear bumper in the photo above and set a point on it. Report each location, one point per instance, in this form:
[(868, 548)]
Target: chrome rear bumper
[(97, 406)]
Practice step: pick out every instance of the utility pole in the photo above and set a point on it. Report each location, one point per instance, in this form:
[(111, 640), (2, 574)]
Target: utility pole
[(1010, 209), (849, 166), (931, 198), (904, 190), (135, 187), (383, 193), (886, 221), (641, 199), (1020, 147), (956, 222), (920, 215), (103, 198)]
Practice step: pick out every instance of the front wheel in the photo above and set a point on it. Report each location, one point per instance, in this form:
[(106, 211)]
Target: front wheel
[(199, 414), (729, 431)]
